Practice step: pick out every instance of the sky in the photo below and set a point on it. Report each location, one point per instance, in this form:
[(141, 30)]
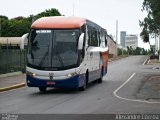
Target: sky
[(103, 12)]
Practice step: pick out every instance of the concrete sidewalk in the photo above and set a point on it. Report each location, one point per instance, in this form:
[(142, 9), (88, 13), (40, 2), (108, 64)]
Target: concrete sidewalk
[(149, 88), (12, 81)]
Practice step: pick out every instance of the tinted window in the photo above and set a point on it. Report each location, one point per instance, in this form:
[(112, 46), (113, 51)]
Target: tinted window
[(93, 38), (102, 39), (65, 48), (40, 48), (53, 49)]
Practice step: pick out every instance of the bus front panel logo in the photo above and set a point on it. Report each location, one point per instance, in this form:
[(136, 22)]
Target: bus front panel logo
[(51, 76)]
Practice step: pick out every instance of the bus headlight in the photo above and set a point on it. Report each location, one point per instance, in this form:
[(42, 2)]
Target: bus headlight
[(31, 74), (73, 74)]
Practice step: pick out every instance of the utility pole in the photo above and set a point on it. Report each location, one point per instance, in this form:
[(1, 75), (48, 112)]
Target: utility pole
[(156, 44), (73, 8), (7, 57), (159, 47), (116, 38)]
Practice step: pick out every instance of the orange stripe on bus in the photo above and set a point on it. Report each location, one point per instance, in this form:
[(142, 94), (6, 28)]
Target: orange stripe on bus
[(59, 22), (105, 57)]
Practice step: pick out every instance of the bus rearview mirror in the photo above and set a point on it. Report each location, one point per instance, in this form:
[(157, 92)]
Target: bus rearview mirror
[(81, 40), (22, 40)]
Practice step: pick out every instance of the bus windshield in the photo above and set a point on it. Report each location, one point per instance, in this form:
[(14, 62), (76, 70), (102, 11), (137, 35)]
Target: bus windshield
[(51, 49)]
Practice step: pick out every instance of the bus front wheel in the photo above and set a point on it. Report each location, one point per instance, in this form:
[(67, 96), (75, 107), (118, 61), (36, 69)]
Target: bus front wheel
[(82, 88), (42, 89)]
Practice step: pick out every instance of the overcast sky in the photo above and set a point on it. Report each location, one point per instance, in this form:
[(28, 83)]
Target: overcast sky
[(103, 12)]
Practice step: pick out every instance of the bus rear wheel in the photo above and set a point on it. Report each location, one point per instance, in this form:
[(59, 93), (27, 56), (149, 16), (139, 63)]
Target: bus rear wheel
[(100, 80), (42, 89)]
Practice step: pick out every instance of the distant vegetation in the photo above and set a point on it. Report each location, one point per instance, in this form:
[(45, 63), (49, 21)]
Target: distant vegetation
[(132, 51), (137, 51), (18, 26)]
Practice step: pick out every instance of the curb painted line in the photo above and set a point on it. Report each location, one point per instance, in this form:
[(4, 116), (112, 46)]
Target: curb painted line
[(133, 100), (12, 87), (146, 61)]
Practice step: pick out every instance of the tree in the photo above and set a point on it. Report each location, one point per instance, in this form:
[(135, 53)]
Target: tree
[(49, 12), (130, 50), (20, 25), (119, 51), (139, 51), (143, 51), (3, 17), (15, 27), (151, 23)]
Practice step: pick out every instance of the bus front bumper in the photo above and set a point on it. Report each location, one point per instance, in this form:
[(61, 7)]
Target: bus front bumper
[(73, 82)]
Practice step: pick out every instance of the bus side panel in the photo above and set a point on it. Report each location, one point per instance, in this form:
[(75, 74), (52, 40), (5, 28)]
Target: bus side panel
[(94, 75), (94, 60), (98, 60)]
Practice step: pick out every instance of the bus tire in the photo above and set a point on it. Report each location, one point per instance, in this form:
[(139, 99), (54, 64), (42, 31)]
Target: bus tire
[(100, 80), (42, 89), (83, 88)]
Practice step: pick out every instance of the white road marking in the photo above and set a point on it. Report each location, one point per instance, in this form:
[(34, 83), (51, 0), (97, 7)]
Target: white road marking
[(128, 99)]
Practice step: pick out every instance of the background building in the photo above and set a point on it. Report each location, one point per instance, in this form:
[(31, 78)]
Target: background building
[(122, 38), (131, 41), (111, 46), (11, 42)]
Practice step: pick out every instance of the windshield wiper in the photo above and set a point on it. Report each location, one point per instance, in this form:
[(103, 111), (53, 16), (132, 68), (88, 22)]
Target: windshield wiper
[(43, 59), (60, 59)]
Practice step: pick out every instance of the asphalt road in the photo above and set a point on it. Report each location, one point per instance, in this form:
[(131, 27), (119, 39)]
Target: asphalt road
[(108, 97)]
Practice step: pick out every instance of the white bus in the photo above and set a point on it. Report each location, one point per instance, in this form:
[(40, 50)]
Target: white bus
[(65, 52)]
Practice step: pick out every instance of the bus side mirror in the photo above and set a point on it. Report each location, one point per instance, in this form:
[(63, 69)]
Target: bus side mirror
[(80, 43), (22, 40)]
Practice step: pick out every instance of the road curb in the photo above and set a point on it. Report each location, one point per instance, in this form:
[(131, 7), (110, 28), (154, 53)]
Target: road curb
[(12, 87)]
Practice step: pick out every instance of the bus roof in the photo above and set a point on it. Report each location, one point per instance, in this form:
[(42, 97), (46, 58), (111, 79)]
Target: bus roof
[(59, 22)]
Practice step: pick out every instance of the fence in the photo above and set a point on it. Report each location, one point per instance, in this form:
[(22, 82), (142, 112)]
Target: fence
[(12, 60)]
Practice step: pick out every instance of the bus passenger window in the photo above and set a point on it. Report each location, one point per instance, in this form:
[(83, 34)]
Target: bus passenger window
[(94, 38), (103, 40)]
